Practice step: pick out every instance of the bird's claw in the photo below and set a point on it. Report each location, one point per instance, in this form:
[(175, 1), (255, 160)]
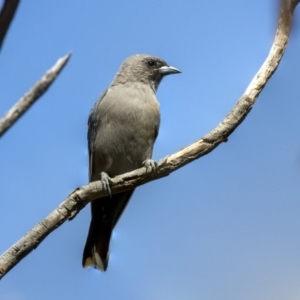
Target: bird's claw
[(150, 163), (106, 180)]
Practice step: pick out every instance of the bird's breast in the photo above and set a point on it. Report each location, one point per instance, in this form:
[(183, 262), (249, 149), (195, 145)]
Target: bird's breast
[(129, 125)]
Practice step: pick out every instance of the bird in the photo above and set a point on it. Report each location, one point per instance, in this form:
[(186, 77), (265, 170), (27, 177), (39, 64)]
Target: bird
[(122, 128)]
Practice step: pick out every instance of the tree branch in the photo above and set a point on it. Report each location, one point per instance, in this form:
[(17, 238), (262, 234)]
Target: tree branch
[(6, 16), (81, 196), (34, 94)]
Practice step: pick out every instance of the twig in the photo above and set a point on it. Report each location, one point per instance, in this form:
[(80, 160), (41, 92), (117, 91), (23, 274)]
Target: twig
[(6, 16), (81, 196), (34, 94)]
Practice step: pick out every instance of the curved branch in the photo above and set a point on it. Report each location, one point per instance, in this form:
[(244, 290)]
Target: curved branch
[(81, 196), (34, 94), (6, 16)]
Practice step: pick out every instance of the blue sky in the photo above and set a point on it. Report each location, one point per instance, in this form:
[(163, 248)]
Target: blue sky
[(224, 227)]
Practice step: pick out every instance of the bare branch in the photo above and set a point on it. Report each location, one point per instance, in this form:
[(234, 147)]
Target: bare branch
[(6, 16), (34, 94), (81, 196)]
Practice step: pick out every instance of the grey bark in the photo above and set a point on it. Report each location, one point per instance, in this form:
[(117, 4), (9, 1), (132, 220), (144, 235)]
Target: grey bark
[(9, 119)]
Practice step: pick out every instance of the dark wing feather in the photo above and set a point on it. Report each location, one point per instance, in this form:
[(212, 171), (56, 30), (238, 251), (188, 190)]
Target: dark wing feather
[(93, 124)]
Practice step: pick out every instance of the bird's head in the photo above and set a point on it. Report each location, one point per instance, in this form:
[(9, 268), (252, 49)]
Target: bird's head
[(143, 68)]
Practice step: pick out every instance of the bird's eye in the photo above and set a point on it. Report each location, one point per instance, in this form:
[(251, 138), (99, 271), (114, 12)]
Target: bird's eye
[(151, 63)]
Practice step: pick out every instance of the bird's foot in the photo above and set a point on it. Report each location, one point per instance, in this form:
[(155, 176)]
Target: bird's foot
[(150, 163), (106, 181)]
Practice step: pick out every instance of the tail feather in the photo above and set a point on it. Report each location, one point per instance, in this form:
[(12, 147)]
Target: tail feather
[(97, 245), (105, 215)]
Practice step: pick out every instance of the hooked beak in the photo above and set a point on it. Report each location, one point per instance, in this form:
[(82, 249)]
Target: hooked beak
[(167, 70)]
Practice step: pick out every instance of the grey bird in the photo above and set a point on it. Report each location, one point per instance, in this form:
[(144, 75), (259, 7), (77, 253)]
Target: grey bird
[(122, 128)]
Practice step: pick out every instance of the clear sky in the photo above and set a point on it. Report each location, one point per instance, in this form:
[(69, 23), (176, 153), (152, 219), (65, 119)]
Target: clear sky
[(224, 227)]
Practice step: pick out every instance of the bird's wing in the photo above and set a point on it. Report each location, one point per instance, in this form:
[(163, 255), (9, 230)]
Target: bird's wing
[(93, 124)]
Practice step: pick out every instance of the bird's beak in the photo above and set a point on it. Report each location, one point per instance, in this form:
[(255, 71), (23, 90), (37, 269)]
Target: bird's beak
[(167, 70)]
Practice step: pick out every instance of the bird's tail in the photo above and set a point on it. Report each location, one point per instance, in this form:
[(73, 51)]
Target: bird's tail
[(105, 215), (97, 245)]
